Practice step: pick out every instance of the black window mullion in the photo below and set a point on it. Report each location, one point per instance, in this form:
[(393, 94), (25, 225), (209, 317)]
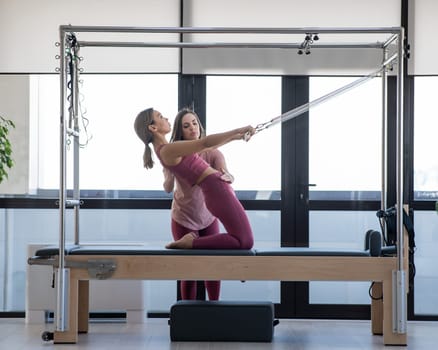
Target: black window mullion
[(295, 164), (294, 174), (192, 94)]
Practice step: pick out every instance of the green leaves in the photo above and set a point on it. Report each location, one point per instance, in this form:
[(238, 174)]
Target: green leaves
[(6, 162)]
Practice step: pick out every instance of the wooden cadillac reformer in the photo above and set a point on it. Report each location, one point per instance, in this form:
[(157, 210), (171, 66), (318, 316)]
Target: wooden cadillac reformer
[(77, 264)]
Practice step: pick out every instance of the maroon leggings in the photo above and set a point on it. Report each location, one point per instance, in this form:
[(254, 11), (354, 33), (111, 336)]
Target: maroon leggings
[(188, 288), (223, 203)]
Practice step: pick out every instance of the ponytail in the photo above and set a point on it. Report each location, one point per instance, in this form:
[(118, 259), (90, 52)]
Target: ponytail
[(141, 124), (148, 161)]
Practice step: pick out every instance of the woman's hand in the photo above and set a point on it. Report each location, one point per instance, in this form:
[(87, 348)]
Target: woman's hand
[(245, 133), (226, 176)]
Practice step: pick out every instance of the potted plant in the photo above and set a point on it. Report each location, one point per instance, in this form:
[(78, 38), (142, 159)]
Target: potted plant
[(6, 161)]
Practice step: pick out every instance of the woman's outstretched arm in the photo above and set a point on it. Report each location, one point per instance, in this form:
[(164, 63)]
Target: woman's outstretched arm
[(173, 151)]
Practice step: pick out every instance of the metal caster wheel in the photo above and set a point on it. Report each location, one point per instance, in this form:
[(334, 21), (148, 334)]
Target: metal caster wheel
[(47, 336)]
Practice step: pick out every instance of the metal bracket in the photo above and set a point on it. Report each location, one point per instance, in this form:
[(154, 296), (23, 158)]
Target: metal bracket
[(100, 269)]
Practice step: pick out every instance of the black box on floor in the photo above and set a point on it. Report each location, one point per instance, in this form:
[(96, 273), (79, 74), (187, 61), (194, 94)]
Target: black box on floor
[(197, 320)]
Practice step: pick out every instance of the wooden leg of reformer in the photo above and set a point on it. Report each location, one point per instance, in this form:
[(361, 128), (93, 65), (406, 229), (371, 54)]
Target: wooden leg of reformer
[(83, 306), (377, 308), (389, 337), (70, 336)]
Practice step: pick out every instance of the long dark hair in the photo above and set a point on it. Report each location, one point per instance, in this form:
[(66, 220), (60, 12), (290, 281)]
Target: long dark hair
[(141, 127), (177, 134)]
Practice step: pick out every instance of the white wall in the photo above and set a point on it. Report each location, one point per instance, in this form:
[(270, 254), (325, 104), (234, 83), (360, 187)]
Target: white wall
[(29, 30), (288, 14), (423, 26)]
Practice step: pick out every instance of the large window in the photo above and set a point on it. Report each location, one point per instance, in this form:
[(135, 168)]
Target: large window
[(345, 138), (426, 125), (345, 143), (340, 230), (425, 189), (235, 101), (23, 229), (111, 157)]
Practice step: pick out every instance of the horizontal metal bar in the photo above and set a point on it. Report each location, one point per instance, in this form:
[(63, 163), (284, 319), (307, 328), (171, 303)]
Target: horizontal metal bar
[(376, 45), (228, 30)]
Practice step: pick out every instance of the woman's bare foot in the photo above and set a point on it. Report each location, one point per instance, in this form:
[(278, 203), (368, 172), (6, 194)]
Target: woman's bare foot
[(185, 242)]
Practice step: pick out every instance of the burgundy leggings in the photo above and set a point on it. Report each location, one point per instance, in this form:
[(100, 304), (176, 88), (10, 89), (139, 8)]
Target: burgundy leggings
[(189, 288), (223, 203)]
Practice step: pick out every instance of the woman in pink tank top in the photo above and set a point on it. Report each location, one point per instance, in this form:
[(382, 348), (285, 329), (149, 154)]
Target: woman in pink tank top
[(183, 160), (189, 212)]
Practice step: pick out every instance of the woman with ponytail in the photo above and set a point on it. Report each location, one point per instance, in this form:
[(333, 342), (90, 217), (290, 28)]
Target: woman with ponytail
[(182, 159)]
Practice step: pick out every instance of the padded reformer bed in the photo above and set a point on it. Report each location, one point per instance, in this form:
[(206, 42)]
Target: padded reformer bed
[(86, 262)]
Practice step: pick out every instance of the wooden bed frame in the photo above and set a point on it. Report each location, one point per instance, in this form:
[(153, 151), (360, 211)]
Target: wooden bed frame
[(234, 267)]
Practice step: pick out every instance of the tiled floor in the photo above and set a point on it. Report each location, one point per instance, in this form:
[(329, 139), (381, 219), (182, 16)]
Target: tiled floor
[(154, 335)]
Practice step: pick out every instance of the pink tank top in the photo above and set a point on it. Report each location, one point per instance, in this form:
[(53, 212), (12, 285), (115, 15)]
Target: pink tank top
[(188, 205), (189, 169)]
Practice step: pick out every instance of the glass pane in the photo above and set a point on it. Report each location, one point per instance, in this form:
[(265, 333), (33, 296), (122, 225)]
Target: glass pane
[(355, 293), (341, 230), (112, 154), (426, 262), (235, 101), (3, 261), (153, 226), (129, 226), (426, 125), (24, 229), (345, 136)]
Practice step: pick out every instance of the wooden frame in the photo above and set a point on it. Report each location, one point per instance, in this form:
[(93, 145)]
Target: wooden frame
[(213, 267)]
